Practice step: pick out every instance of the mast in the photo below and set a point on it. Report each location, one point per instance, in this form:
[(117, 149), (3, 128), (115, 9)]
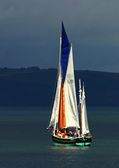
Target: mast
[(84, 128), (80, 105), (63, 63)]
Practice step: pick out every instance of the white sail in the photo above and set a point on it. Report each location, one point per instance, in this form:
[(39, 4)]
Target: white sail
[(85, 127), (72, 118), (55, 110)]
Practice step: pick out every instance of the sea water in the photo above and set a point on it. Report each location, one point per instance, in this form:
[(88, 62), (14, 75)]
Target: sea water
[(25, 142)]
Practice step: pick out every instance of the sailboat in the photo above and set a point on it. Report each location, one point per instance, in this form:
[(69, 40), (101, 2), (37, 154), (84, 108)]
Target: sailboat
[(66, 125)]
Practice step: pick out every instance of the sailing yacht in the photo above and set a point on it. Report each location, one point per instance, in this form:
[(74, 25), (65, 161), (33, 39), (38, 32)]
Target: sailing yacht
[(68, 123)]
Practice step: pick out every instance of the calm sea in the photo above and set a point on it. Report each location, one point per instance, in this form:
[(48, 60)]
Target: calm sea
[(25, 142)]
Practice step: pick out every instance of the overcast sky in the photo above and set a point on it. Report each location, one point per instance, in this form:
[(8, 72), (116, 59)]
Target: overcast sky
[(29, 33)]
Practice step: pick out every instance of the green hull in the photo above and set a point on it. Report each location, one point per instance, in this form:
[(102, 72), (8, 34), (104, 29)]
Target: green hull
[(81, 144), (58, 141)]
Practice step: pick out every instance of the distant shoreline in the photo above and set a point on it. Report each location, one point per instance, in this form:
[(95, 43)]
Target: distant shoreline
[(33, 86)]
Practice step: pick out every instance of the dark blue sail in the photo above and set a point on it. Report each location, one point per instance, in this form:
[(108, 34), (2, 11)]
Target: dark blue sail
[(65, 49)]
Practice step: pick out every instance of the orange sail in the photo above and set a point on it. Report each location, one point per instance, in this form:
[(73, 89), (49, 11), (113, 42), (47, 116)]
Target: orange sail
[(62, 117)]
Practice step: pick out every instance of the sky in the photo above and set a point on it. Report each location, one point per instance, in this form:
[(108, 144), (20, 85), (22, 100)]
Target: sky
[(30, 29)]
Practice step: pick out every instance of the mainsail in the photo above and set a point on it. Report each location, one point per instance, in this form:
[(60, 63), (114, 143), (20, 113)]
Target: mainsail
[(65, 112)]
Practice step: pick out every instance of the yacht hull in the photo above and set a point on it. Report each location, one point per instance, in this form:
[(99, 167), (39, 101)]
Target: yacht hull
[(77, 141)]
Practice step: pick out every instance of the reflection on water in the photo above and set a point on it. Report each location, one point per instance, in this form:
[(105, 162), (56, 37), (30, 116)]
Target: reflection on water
[(70, 148), (67, 156)]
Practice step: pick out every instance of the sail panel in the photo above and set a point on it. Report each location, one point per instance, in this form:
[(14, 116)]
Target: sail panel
[(85, 127), (65, 48), (55, 110), (62, 116), (72, 118)]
